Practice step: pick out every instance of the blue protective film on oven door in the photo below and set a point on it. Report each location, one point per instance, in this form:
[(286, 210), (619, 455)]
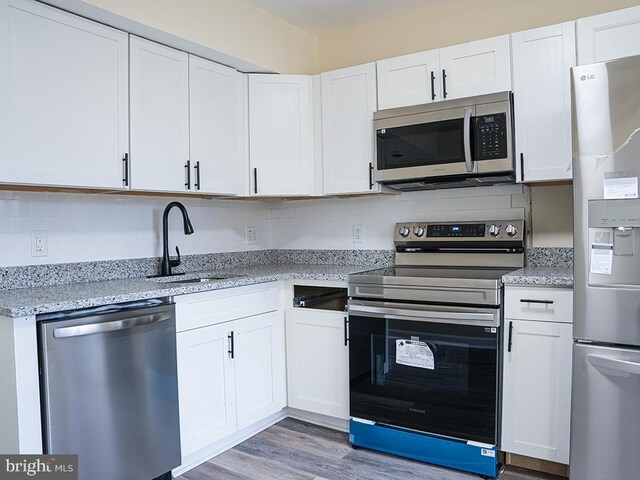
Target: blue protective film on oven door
[(459, 455)]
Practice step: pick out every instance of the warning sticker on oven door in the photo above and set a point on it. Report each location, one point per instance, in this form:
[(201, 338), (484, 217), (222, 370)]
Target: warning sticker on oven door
[(414, 353)]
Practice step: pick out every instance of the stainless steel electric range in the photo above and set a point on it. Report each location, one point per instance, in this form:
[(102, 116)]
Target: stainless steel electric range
[(424, 336)]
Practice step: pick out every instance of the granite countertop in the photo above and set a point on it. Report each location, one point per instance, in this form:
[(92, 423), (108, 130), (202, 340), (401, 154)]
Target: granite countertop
[(558, 276), (24, 302)]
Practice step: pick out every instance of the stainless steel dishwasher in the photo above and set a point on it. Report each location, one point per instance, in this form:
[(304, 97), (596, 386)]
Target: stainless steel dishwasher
[(109, 389)]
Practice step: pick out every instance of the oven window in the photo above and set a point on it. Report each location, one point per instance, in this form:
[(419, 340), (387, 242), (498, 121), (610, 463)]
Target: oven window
[(431, 377), (426, 144)]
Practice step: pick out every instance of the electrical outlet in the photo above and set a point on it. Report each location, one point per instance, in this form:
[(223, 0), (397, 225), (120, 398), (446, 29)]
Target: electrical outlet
[(252, 235), (39, 244), (358, 233)]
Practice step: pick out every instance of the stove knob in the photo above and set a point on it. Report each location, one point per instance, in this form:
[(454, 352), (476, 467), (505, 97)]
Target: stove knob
[(404, 232), (418, 231), (511, 230), (494, 230)]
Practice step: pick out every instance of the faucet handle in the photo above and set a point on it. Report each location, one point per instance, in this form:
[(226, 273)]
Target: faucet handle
[(175, 263)]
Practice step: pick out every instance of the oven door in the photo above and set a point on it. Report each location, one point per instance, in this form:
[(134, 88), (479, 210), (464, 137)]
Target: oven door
[(424, 145), (426, 368)]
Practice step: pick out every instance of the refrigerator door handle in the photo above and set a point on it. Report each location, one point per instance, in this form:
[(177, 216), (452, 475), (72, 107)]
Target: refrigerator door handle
[(613, 364)]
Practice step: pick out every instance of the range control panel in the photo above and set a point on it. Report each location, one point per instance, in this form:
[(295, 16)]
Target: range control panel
[(461, 231)]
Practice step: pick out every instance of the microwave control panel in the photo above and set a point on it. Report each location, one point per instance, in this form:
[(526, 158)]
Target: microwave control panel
[(491, 136)]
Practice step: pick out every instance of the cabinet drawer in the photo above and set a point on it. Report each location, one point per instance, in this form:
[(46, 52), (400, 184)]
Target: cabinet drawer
[(547, 304), (209, 308)]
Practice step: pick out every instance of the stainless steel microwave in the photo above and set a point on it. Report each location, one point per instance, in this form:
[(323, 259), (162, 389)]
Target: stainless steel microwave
[(455, 143)]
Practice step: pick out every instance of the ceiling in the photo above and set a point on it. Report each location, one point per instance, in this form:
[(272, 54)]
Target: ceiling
[(322, 17)]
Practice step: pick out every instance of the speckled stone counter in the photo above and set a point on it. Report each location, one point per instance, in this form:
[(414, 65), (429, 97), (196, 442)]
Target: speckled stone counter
[(24, 302), (550, 276)]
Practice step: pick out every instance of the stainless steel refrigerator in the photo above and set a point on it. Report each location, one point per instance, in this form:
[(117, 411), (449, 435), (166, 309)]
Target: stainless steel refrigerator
[(605, 423)]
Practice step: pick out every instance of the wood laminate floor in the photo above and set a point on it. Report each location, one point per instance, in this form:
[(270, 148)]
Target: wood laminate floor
[(295, 450)]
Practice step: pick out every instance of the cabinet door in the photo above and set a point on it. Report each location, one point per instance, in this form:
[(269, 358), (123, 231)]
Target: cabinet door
[(216, 129), (280, 135), (69, 99), (159, 86), (409, 80), (536, 399), (609, 36), (348, 103), (259, 366), (476, 68), (542, 61), (205, 387), (318, 362)]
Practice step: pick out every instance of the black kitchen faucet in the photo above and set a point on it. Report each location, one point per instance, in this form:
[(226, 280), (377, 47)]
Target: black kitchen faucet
[(167, 263)]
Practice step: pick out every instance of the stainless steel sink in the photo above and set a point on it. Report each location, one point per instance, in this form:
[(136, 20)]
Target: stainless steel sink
[(199, 280)]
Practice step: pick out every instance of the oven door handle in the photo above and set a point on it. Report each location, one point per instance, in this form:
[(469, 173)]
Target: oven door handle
[(467, 139), (432, 316)]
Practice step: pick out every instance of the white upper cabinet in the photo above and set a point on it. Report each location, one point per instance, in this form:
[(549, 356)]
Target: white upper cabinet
[(159, 87), (67, 88), (609, 36), (216, 127), (409, 80), (476, 68), (348, 103), (281, 147), (542, 61)]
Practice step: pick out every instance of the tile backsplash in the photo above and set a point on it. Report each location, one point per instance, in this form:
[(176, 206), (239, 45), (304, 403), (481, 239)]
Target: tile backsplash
[(85, 228)]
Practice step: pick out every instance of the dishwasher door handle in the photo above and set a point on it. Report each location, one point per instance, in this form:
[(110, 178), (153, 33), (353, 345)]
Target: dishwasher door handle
[(126, 323)]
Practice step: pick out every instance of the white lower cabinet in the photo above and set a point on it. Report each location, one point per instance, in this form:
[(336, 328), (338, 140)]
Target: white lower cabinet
[(260, 367), (207, 397), (317, 362), (231, 373), (536, 398)]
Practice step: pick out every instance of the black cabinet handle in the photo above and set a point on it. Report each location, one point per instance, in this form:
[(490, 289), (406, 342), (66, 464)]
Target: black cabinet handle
[(444, 83), (522, 167), (433, 86), (255, 180), (187, 166), (197, 182), (125, 177), (370, 176), (231, 350), (530, 300), (346, 331), (510, 337)]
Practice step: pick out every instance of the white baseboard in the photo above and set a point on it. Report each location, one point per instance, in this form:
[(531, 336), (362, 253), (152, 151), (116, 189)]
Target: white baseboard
[(318, 419), (201, 456), (215, 449)]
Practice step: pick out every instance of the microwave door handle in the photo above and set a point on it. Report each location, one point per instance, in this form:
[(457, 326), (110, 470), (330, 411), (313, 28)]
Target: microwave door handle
[(467, 139)]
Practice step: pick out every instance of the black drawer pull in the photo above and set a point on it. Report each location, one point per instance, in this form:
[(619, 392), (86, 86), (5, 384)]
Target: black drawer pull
[(510, 337), (125, 178), (231, 349), (433, 86), (346, 331), (187, 167), (529, 300)]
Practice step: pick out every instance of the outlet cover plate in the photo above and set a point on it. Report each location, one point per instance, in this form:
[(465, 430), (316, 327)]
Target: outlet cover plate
[(252, 235), (358, 233), (39, 243)]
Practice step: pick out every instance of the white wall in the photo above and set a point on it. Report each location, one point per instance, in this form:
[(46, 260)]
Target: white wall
[(329, 223), (103, 227)]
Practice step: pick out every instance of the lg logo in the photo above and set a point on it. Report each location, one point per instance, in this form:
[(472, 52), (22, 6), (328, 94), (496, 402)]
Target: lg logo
[(587, 77)]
